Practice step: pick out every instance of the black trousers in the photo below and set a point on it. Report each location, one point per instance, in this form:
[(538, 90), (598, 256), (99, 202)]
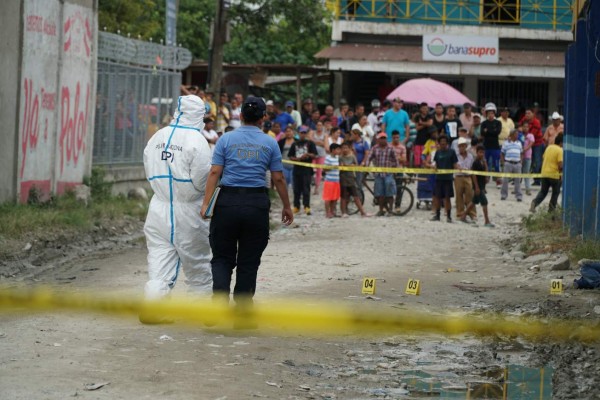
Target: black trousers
[(548, 183), (239, 233), (302, 188)]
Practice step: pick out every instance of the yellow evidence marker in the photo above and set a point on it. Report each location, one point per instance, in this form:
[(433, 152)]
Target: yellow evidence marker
[(413, 287), (556, 286), (368, 286)]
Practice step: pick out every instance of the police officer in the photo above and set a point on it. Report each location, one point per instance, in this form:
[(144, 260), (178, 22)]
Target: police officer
[(239, 228)]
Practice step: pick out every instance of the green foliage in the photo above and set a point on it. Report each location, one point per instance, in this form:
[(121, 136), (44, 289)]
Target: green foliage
[(64, 213), (527, 245), (100, 189), (277, 31), (262, 31), (546, 234), (138, 17), (543, 222), (193, 25), (586, 249)]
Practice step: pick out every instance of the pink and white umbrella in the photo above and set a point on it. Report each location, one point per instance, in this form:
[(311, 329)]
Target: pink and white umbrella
[(429, 91)]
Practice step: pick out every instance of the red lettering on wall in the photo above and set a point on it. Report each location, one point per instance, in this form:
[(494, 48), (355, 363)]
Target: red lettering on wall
[(36, 23), (49, 28), (48, 100), (77, 24), (66, 29), (73, 127), (30, 129)]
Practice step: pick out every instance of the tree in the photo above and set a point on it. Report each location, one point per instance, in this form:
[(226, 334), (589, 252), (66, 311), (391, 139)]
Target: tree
[(277, 31), (262, 31), (138, 18), (193, 25)]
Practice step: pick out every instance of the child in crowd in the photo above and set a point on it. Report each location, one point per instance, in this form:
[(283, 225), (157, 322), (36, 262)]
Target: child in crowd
[(479, 182), (445, 158), (511, 156), (361, 150), (399, 148), (430, 147), (429, 150), (401, 156), (348, 183), (209, 132), (285, 145), (462, 133), (304, 151), (331, 186), (528, 141)]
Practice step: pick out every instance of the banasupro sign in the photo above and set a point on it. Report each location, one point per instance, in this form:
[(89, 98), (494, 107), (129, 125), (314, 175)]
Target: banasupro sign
[(466, 49)]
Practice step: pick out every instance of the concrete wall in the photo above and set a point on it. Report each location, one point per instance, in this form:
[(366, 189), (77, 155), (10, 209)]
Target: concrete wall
[(126, 177), (10, 45), (49, 77)]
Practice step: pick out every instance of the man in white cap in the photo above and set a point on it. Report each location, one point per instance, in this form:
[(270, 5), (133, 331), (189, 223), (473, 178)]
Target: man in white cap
[(463, 183), (374, 118), (554, 129), (177, 161), (490, 131)]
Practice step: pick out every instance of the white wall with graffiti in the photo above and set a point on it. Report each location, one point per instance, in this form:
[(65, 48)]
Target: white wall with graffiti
[(56, 95)]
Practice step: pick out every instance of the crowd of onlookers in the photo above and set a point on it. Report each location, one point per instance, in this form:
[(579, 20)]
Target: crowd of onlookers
[(438, 137)]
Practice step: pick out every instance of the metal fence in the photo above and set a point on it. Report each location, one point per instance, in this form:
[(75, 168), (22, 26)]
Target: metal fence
[(533, 14), (138, 84)]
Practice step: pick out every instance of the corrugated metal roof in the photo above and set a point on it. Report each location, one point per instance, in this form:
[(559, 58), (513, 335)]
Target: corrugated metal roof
[(368, 52)]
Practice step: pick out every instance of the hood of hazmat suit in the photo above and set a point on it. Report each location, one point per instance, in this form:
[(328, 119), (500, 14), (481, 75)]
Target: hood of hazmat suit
[(177, 160)]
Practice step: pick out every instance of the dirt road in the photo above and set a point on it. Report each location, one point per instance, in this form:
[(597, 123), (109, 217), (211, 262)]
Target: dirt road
[(53, 356)]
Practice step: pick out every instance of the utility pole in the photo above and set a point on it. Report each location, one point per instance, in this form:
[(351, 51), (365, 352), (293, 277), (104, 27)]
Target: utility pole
[(217, 41)]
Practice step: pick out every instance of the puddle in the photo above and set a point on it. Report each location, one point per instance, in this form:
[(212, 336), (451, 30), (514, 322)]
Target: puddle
[(513, 382), (433, 367)]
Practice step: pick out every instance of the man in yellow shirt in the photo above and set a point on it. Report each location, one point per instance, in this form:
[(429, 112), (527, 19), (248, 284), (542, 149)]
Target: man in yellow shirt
[(507, 125), (551, 168), (213, 106)]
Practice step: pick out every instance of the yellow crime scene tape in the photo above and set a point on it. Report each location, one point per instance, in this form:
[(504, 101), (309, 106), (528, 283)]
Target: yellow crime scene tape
[(294, 318), (422, 171)]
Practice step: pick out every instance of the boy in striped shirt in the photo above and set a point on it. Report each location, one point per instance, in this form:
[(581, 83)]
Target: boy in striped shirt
[(511, 156), (331, 186)]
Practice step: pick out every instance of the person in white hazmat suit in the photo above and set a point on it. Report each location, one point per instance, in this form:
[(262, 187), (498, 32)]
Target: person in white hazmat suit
[(177, 160)]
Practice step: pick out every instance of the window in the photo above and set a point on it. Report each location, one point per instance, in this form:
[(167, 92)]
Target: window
[(501, 12)]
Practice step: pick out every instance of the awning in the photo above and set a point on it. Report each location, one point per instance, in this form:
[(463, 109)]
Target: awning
[(387, 58)]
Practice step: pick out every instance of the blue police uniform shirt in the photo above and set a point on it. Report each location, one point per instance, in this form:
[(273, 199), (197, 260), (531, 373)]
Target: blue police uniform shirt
[(245, 154)]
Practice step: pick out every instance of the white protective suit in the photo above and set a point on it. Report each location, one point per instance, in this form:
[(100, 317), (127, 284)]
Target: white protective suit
[(177, 160)]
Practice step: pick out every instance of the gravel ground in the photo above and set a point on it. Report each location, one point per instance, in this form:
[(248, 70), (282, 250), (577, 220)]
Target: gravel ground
[(55, 355)]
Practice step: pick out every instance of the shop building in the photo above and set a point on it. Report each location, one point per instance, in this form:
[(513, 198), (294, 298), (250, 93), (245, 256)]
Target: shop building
[(510, 52)]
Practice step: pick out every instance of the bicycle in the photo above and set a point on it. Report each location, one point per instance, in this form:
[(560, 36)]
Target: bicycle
[(403, 201)]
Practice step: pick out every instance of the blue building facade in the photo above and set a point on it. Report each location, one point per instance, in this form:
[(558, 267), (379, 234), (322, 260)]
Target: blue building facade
[(581, 206), (528, 14)]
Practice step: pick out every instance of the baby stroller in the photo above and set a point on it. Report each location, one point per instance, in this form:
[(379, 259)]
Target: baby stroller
[(425, 191)]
